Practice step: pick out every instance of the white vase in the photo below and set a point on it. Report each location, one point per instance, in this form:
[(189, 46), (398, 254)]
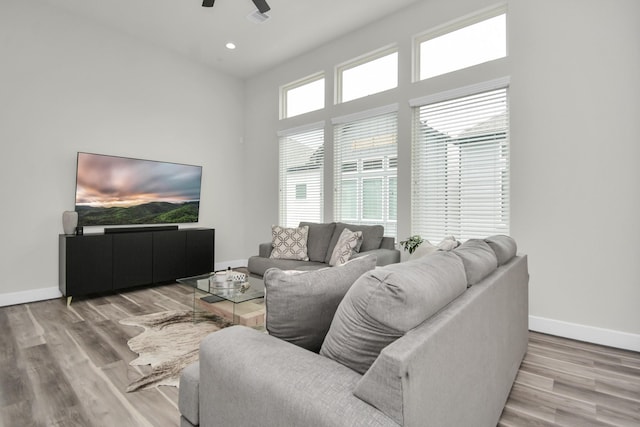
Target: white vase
[(69, 221)]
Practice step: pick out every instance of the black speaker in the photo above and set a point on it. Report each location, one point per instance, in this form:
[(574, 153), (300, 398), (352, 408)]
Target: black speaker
[(79, 230)]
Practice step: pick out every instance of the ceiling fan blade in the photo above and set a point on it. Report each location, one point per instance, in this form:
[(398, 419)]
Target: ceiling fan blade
[(262, 5), (208, 3)]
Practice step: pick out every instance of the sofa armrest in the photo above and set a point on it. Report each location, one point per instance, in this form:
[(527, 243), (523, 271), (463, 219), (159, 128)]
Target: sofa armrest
[(388, 242), (385, 256), (250, 378), (264, 249)]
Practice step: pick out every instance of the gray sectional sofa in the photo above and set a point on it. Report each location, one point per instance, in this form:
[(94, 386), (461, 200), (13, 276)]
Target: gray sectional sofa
[(320, 243), (435, 341)]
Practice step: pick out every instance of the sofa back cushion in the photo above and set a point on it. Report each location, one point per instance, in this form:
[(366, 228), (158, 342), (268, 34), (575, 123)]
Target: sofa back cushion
[(503, 246), (301, 304), (320, 235), (478, 258), (385, 303), (371, 237)]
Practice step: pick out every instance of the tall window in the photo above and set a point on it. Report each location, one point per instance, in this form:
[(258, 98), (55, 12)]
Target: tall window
[(372, 74), (460, 166), (461, 47), (365, 168), (301, 175), (302, 96)]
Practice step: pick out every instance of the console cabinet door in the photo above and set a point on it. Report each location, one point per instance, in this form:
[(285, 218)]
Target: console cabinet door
[(88, 264), (132, 259), (169, 255), (199, 251)]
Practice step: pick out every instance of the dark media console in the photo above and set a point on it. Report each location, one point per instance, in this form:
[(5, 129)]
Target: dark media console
[(95, 263)]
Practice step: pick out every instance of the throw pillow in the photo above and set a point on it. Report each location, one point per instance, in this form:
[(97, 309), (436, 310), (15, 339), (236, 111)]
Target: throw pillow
[(385, 303), (345, 247), (503, 246), (478, 258), (289, 243), (301, 304), (371, 237)]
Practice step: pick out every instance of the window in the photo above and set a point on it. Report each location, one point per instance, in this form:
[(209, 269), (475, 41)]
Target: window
[(460, 167), (471, 45), (301, 175), (365, 148), (365, 77), (303, 96), (301, 191)]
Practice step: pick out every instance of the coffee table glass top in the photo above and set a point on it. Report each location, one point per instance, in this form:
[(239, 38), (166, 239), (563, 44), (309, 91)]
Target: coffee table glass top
[(233, 291)]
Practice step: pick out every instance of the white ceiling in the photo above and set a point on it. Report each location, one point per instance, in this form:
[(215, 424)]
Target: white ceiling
[(294, 27)]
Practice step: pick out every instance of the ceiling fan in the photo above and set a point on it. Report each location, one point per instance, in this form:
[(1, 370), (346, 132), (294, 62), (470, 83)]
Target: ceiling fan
[(262, 5)]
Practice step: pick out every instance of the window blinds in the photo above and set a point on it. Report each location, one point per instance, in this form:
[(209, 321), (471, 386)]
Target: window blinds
[(301, 174), (365, 169), (460, 167)]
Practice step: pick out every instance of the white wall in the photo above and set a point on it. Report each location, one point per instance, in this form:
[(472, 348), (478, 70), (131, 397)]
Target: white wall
[(575, 137), (575, 103), (67, 85)]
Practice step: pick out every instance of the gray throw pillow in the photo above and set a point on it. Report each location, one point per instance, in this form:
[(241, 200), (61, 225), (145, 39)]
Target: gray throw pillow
[(478, 258), (503, 246), (371, 237), (301, 304), (385, 303), (319, 238), (346, 246)]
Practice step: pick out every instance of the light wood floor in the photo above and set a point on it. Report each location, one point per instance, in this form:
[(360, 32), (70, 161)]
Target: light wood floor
[(69, 367)]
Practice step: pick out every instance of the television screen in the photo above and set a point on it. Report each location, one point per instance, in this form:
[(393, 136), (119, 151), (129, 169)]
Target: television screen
[(122, 191)]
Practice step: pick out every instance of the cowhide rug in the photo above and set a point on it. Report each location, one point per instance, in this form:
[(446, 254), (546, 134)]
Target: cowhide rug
[(169, 343)]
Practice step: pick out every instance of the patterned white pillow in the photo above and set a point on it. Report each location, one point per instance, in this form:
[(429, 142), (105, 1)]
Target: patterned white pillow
[(346, 245), (289, 243)]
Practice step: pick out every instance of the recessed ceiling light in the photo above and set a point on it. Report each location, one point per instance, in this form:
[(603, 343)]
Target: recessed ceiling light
[(230, 46)]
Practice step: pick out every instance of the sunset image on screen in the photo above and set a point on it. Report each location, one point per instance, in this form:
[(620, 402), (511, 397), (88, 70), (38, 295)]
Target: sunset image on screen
[(118, 190)]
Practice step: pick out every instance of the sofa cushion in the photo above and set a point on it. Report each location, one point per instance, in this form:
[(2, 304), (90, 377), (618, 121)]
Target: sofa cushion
[(319, 238), (503, 246), (371, 237), (289, 243), (301, 304), (188, 399), (346, 246), (385, 303), (478, 258)]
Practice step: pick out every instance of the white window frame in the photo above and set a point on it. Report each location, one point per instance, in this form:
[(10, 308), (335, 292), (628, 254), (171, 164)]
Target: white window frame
[(364, 59), (360, 175), (287, 197), (417, 216), (284, 90), (450, 27)]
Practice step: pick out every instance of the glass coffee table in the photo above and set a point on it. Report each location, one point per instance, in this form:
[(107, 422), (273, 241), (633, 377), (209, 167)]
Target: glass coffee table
[(239, 302)]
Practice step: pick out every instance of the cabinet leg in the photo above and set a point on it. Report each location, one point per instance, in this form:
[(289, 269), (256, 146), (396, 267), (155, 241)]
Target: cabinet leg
[(69, 301)]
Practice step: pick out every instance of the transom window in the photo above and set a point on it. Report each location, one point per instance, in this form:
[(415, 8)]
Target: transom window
[(302, 96), (464, 47), (373, 74)]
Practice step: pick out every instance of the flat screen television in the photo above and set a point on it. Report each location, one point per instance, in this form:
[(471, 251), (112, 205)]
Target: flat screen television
[(114, 190)]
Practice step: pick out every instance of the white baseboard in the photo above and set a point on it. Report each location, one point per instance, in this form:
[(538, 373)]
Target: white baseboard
[(42, 294), (29, 296), (592, 334)]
